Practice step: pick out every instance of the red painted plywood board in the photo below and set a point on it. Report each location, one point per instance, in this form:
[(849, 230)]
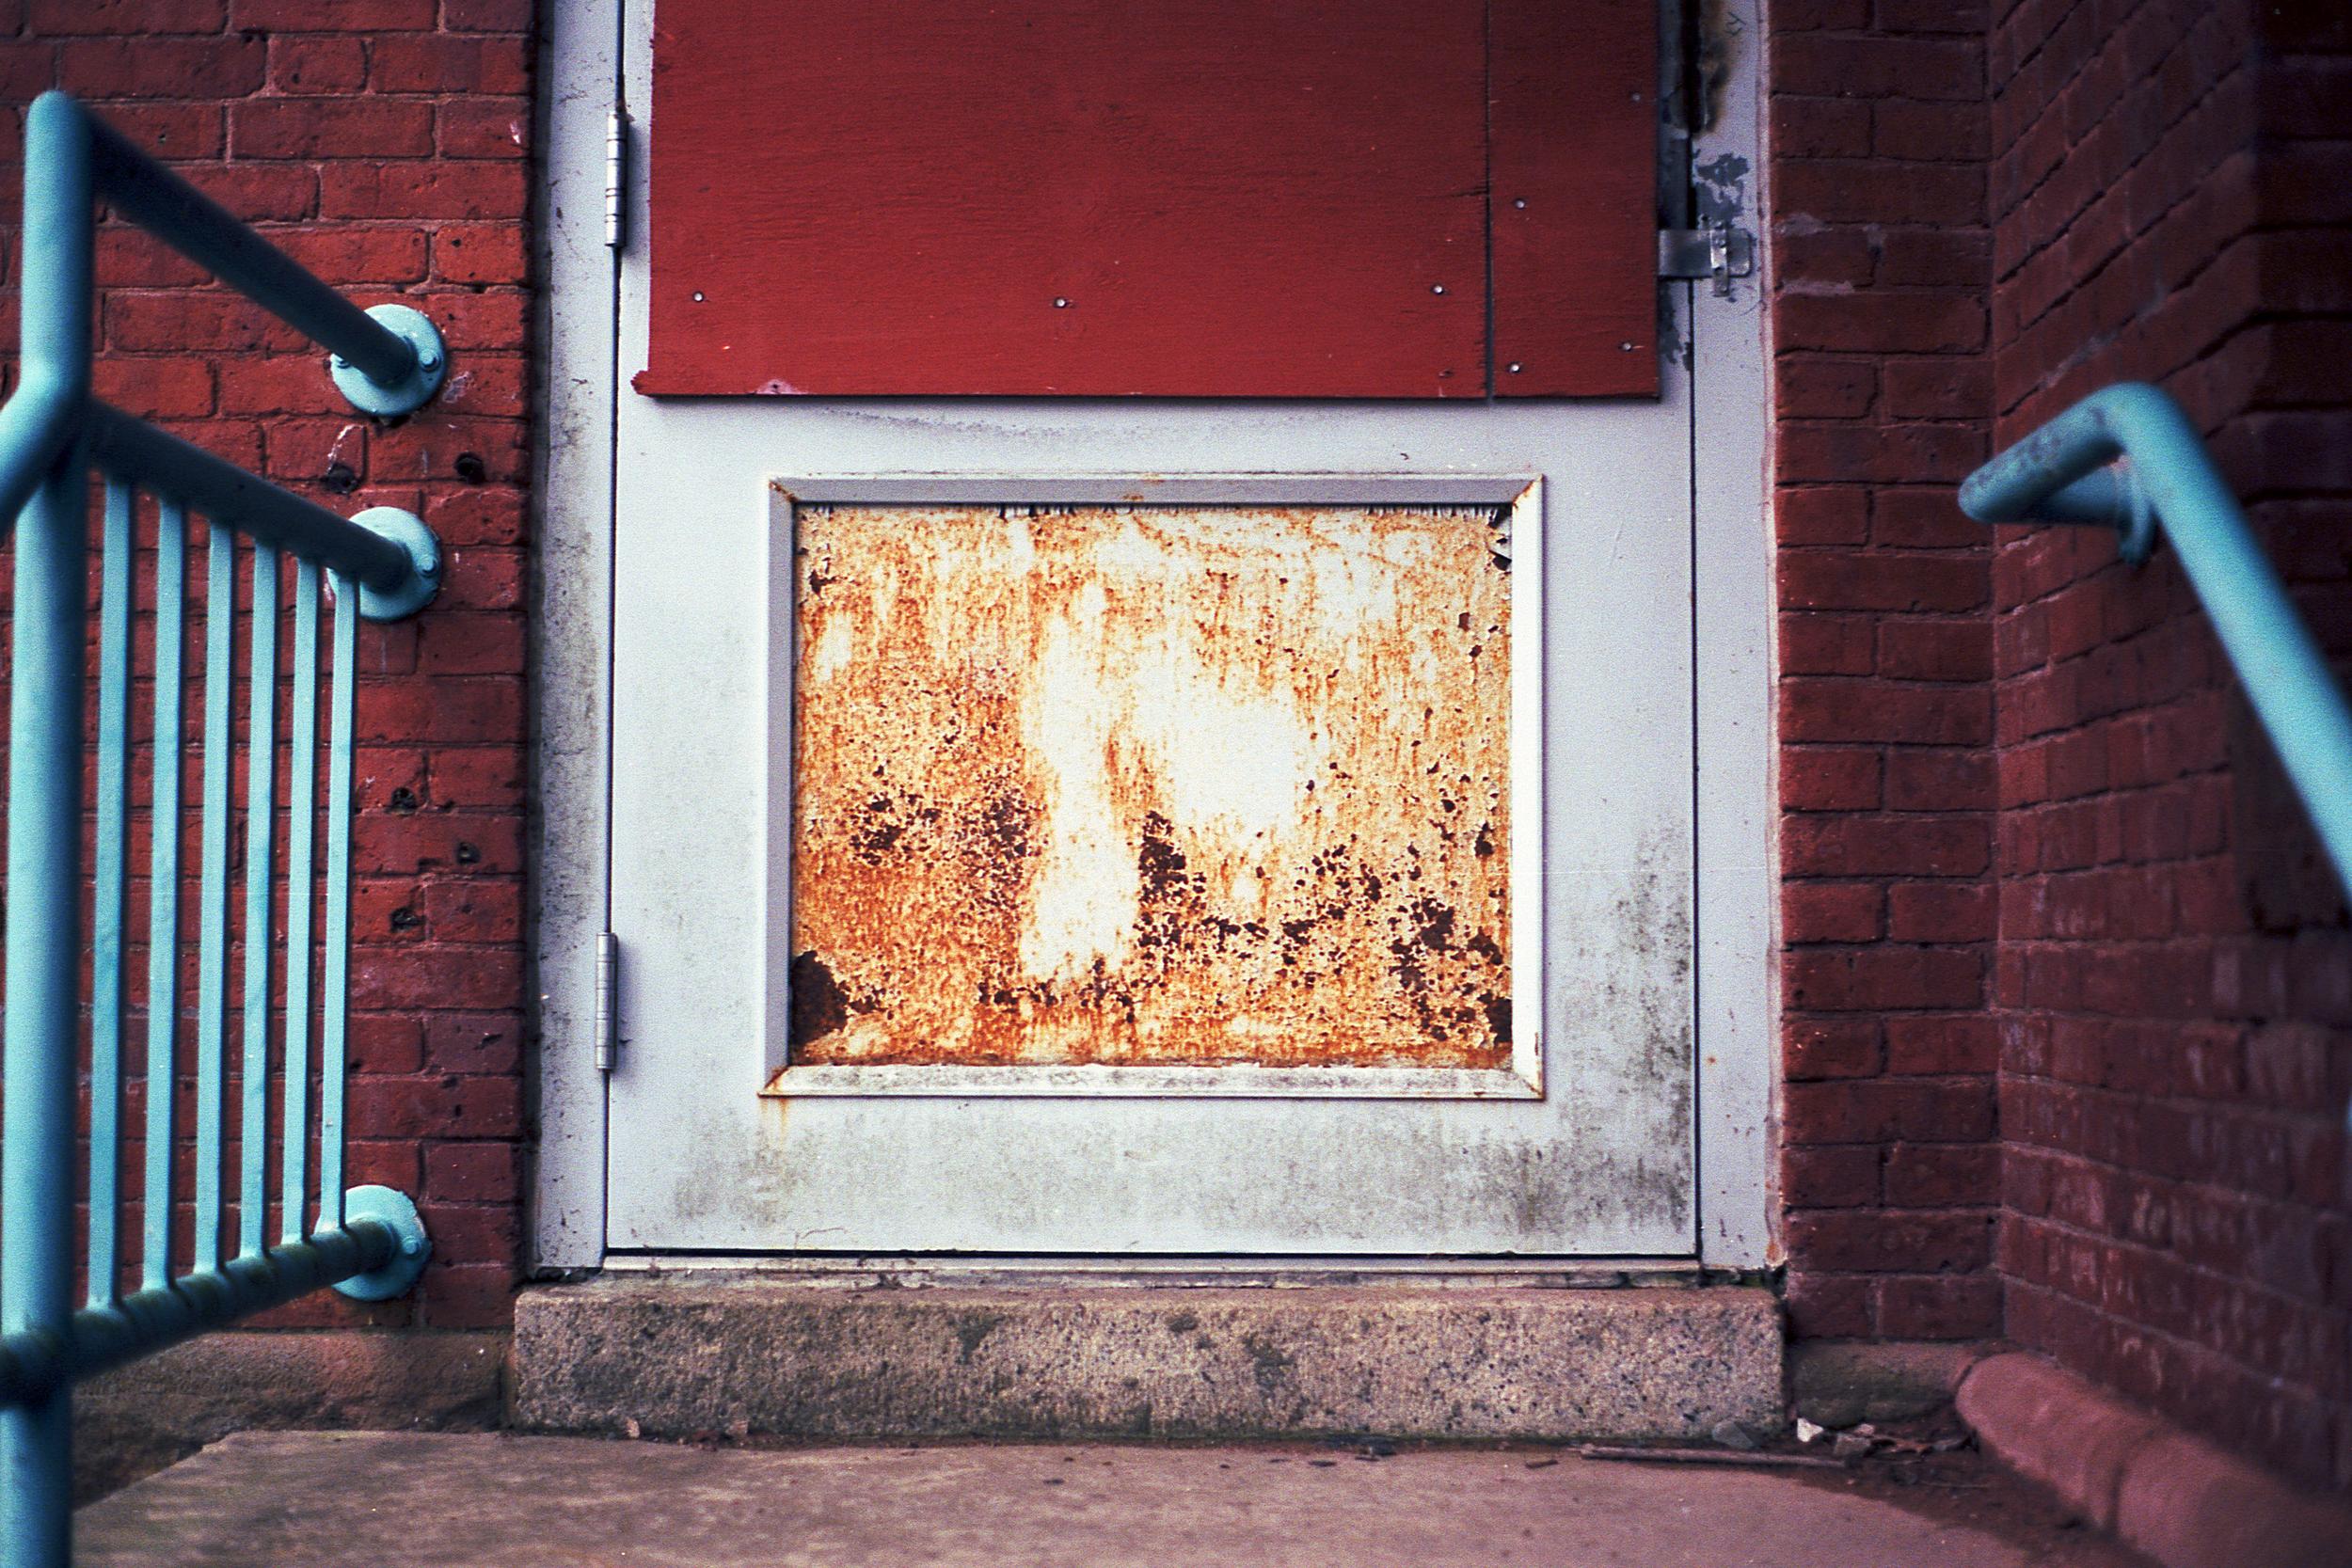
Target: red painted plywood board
[(1572, 155), (1191, 197)]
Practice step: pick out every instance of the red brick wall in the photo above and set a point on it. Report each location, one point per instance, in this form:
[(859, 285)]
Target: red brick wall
[(384, 143), (1890, 1168), (2162, 993), (2174, 985)]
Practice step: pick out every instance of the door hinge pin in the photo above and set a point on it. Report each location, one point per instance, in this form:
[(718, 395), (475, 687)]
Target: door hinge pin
[(615, 175), (1718, 251), (604, 1029)]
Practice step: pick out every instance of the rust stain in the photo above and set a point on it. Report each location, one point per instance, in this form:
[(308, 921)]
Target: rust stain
[(1151, 786)]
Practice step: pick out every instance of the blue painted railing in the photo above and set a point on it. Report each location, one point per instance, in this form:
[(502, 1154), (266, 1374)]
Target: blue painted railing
[(54, 435), (2128, 457)]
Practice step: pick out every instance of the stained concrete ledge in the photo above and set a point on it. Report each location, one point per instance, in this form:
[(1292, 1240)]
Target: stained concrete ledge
[(675, 1354), (1840, 1382), (2179, 1499), (139, 1418)]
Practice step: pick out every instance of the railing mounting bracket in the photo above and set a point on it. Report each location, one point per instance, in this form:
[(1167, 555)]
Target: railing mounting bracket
[(411, 392), (407, 530), (413, 1248)]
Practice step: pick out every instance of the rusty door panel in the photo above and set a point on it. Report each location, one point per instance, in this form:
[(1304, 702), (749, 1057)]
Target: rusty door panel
[(1151, 786)]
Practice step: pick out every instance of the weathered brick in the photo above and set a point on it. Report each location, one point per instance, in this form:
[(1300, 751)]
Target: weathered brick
[(326, 16), (473, 1173), (1832, 912), (1833, 980), (1898, 1240), (162, 67), (316, 65), (1814, 1047), (484, 128), (140, 18), (1839, 1177), (330, 128), (1874, 66), (1887, 846), (1821, 778), (1823, 515), (452, 66)]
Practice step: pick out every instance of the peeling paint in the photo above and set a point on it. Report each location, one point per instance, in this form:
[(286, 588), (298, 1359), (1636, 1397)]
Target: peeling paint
[(1720, 186), (1152, 787)]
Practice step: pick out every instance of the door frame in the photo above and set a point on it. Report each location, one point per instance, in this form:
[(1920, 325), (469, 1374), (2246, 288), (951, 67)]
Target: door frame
[(1722, 340)]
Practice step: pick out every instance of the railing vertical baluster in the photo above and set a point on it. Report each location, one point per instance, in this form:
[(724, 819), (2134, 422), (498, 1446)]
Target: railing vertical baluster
[(163, 878), (261, 826), (107, 879), (45, 962), (336, 1005), (302, 766), (44, 835), (212, 973)]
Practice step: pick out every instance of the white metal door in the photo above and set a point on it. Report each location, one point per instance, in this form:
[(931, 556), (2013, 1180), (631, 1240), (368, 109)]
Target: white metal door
[(1592, 1154)]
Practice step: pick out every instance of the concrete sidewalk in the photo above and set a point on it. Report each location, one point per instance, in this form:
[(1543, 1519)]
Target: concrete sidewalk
[(376, 1498)]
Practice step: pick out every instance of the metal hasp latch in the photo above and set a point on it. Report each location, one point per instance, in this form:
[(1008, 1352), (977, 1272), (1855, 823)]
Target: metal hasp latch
[(1718, 251)]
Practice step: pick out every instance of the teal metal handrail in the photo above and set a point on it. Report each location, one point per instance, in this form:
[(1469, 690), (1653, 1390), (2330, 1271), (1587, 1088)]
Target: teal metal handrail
[(2127, 457), (383, 564)]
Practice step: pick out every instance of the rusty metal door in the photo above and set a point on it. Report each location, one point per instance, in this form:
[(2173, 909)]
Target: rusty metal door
[(1136, 828)]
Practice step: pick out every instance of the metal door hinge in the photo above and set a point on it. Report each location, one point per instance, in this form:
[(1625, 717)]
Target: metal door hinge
[(1718, 251), (615, 175), (606, 1027)]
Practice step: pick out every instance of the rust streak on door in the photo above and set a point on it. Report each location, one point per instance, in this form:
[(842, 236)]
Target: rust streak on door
[(1154, 787)]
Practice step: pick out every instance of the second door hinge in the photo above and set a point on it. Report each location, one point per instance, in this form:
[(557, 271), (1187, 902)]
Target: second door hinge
[(1718, 251), (615, 176), (605, 1028)]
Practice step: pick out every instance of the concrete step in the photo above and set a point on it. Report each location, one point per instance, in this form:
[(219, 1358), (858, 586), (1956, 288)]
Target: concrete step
[(364, 1500), (675, 1354)]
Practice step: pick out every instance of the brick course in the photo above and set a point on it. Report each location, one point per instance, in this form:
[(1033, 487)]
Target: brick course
[(1880, 253), (384, 144)]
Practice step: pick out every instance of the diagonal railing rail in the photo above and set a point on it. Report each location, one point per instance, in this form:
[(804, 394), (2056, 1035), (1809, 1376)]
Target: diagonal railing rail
[(2127, 457), (383, 564)]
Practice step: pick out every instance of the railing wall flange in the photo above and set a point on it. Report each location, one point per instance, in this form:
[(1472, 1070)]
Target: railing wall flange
[(407, 530), (410, 393), (393, 1207)]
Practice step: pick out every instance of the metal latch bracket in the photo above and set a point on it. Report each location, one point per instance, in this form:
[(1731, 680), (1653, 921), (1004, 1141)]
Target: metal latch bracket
[(1719, 251)]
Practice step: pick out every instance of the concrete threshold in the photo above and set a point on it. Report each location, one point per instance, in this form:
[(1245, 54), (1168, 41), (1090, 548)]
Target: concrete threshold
[(680, 1354)]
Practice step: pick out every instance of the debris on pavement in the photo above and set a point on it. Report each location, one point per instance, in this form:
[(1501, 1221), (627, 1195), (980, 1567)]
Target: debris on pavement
[(1731, 1435), (1711, 1456)]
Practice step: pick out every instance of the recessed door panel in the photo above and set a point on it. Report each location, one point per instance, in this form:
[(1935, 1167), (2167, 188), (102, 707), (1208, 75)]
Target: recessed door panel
[(1134, 787)]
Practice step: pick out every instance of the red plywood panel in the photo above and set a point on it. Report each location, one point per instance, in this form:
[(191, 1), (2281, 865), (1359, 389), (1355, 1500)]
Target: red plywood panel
[(1188, 197), (1575, 205)]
